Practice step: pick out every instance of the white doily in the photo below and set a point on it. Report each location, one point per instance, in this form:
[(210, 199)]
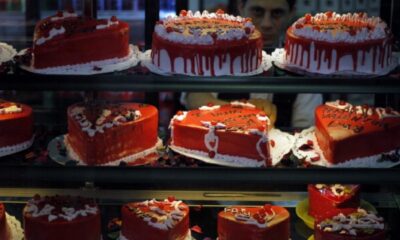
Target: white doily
[(17, 233), (54, 154), (147, 62), (7, 53), (364, 162), (8, 150), (278, 57), (188, 237), (96, 67), (282, 145)]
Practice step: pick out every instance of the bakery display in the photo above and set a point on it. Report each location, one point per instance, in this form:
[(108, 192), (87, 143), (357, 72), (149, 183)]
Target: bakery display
[(5, 232), (67, 39), (7, 54), (346, 132), (256, 223), (62, 218), (16, 127), (329, 43), (206, 44), (328, 197), (102, 133), (155, 220), (350, 224), (235, 134)]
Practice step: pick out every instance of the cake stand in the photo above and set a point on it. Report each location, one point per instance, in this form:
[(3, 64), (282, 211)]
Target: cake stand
[(60, 151)]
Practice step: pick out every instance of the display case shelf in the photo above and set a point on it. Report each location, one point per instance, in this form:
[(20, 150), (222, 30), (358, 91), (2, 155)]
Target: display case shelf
[(127, 81)]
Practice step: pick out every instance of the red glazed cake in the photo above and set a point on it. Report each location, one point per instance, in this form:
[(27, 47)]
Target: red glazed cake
[(350, 224), (345, 132), (4, 228), (207, 44), (155, 220), (67, 39), (16, 125), (256, 223), (102, 133), (329, 42), (61, 218), (232, 134), (323, 198)]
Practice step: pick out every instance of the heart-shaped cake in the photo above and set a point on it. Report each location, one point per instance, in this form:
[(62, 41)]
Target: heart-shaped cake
[(256, 223), (155, 220), (345, 132)]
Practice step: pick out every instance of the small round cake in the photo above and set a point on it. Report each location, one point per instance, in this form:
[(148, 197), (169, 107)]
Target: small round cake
[(4, 228), (350, 224), (329, 43), (155, 220), (255, 223), (16, 126), (61, 218), (206, 44)]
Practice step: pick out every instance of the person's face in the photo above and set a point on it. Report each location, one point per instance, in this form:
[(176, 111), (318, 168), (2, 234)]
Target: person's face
[(271, 17)]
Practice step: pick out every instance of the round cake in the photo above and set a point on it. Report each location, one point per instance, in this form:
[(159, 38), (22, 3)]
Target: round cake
[(350, 224), (16, 126), (155, 220), (68, 39), (4, 228), (255, 223), (329, 43), (61, 218), (206, 44)]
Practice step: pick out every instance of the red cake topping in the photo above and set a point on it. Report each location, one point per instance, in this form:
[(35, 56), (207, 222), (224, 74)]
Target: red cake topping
[(337, 191), (60, 208)]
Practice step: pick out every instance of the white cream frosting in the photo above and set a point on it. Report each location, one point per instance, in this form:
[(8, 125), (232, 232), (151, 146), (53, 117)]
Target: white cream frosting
[(109, 24), (10, 109), (52, 34), (351, 223), (242, 104), (65, 15), (369, 111), (7, 53), (209, 108), (378, 32)]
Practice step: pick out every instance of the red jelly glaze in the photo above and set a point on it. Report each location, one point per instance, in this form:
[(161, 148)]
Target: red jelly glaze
[(345, 135), (190, 132), (15, 128), (322, 201), (4, 229), (231, 229), (134, 228), (80, 228), (82, 44), (321, 235), (116, 142), (379, 48), (246, 49)]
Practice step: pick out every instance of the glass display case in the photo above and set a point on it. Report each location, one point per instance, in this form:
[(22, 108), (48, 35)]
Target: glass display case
[(206, 188)]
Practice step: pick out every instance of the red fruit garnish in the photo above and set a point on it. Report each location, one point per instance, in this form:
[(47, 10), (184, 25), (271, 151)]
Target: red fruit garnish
[(316, 28), (179, 113), (210, 104), (36, 197), (388, 110), (261, 128), (329, 14), (256, 216), (342, 103), (247, 30), (153, 220), (261, 212), (211, 154), (220, 11), (308, 17), (169, 29), (214, 123), (298, 26), (60, 14), (315, 159), (114, 19), (268, 209), (171, 199), (183, 13), (310, 143), (272, 143)]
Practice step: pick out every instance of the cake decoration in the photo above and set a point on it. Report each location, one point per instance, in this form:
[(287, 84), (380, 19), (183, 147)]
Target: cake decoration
[(7, 54), (200, 36), (152, 219), (232, 133), (102, 133), (333, 43)]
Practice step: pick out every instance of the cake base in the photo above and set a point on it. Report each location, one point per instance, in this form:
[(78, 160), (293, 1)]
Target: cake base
[(282, 146), (92, 68), (188, 237), (302, 211), (146, 61), (306, 135), (8, 150), (17, 233), (278, 58), (142, 158)]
